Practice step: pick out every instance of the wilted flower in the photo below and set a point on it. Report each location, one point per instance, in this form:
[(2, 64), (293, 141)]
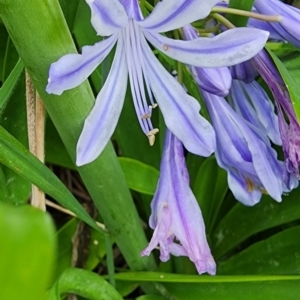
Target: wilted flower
[(123, 22), (246, 154), (289, 23), (289, 128), (176, 214)]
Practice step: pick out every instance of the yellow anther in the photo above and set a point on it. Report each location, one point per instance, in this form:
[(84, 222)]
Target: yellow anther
[(151, 139), (152, 132), (250, 185)]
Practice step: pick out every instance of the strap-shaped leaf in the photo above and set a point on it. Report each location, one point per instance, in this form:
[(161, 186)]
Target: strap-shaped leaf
[(10, 83), (240, 21), (83, 283), (291, 85), (15, 156)]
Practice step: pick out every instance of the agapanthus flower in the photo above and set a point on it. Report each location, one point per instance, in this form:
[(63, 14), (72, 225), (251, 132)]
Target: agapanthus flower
[(176, 216), (288, 123), (288, 25), (213, 80), (244, 71), (246, 154), (123, 22), (251, 102)]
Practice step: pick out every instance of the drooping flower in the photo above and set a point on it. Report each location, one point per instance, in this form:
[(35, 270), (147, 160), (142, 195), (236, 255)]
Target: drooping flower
[(289, 128), (213, 80), (246, 154), (251, 102), (122, 21), (176, 215), (289, 23)]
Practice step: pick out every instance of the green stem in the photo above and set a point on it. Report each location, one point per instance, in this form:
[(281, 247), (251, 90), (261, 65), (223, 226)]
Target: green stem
[(234, 11), (41, 42), (222, 20)]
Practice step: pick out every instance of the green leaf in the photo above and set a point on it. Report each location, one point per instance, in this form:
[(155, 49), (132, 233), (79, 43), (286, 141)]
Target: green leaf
[(65, 246), (239, 21), (83, 283), (189, 287), (55, 150), (27, 252), (139, 176), (10, 83), (38, 47), (151, 297), (210, 188), (14, 120), (291, 84), (242, 222), (15, 156), (278, 254)]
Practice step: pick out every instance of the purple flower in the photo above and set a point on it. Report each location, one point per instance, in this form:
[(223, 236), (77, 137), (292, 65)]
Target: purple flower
[(213, 80), (288, 123), (176, 215), (123, 23), (244, 71), (289, 24), (251, 102), (246, 154)]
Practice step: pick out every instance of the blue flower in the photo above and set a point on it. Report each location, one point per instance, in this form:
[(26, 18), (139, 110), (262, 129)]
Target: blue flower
[(122, 21), (288, 26), (213, 80), (246, 154), (176, 214), (251, 102)]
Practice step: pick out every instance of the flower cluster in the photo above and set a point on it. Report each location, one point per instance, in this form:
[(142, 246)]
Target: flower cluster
[(244, 125)]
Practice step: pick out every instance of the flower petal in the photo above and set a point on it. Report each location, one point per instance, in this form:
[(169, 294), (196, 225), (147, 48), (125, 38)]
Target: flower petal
[(108, 16), (132, 8), (213, 80), (266, 26), (238, 187), (102, 120), (169, 14), (244, 71), (176, 213), (288, 26), (253, 104), (226, 49), (180, 111), (238, 140), (72, 69)]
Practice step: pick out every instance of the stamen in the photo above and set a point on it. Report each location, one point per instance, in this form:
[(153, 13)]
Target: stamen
[(146, 116), (151, 139), (153, 131), (165, 47), (140, 35)]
